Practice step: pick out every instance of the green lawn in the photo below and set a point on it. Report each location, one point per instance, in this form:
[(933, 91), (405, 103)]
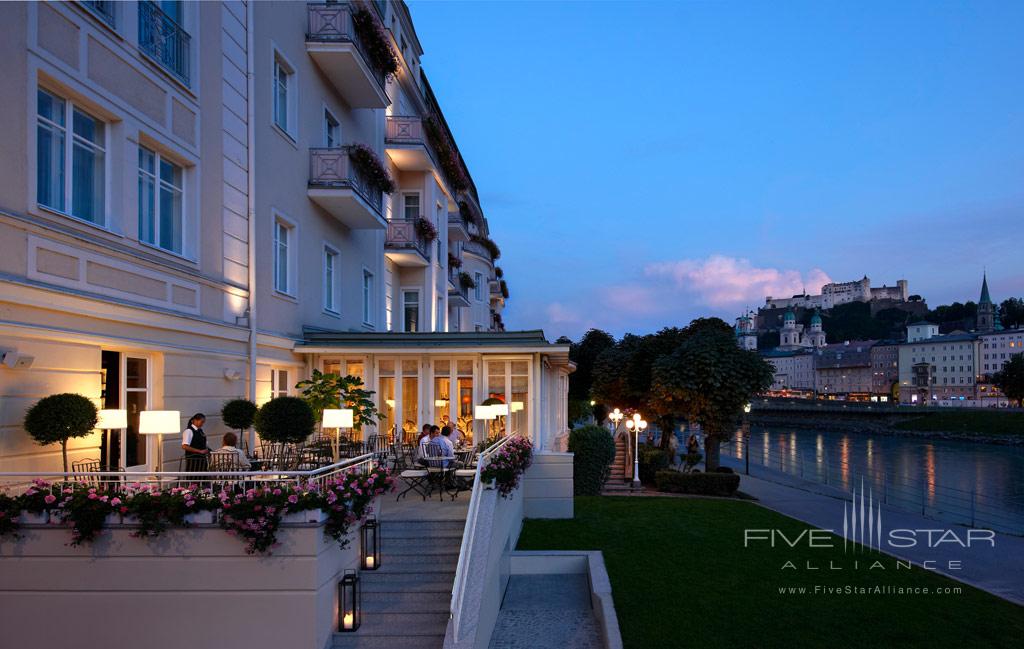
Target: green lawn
[(681, 577), (992, 422)]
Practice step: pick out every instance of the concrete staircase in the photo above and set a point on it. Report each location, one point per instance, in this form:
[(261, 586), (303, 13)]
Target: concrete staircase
[(620, 476), (406, 602)]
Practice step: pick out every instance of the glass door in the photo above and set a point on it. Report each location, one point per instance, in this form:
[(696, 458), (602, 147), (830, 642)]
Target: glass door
[(136, 399)]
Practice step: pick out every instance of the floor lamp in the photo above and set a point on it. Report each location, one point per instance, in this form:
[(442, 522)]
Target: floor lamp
[(158, 422), (337, 418), (110, 420)]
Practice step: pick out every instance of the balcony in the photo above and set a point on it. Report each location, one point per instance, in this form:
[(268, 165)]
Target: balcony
[(333, 44), (404, 246), (338, 187), (162, 39), (458, 295), (406, 144), (458, 230), (478, 249)]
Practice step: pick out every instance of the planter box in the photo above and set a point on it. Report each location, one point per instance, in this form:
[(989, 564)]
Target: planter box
[(310, 516), (199, 518), (28, 518), (129, 520), (112, 519)]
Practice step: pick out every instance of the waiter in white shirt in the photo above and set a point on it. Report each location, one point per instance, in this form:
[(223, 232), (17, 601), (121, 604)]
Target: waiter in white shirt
[(193, 442)]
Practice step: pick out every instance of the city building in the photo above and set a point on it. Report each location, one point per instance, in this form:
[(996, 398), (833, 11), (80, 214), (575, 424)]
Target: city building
[(792, 335), (793, 374), (885, 372), (934, 368), (996, 348), (837, 293), (988, 313), (746, 331), (844, 370)]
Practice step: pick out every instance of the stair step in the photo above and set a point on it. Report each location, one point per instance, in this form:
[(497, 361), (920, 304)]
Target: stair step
[(405, 601), (357, 641), (421, 529), (424, 546), (407, 582), (405, 624), (418, 565)]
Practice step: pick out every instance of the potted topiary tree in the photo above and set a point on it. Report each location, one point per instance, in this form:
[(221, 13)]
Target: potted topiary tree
[(285, 420), (60, 417), (238, 414)]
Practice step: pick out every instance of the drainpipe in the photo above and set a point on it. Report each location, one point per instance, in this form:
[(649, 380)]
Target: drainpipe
[(250, 67)]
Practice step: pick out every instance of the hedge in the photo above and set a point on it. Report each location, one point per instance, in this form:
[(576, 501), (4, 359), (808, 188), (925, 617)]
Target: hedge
[(704, 484), (594, 451), (652, 460)]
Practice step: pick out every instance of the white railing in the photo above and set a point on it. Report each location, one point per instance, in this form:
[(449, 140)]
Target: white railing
[(461, 574), (113, 480)]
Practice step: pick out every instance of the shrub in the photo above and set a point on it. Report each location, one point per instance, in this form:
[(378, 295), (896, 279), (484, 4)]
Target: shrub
[(426, 229), (507, 465), (59, 417), (365, 160), (723, 469), (285, 420), (238, 414), (594, 450), (704, 484), (652, 460)]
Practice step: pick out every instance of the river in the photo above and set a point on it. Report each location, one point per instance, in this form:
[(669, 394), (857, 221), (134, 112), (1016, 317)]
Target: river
[(964, 482)]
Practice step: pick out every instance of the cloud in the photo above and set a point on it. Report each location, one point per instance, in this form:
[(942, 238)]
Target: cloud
[(719, 281)]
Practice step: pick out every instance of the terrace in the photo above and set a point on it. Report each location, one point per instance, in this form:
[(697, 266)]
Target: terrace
[(334, 43), (338, 186)]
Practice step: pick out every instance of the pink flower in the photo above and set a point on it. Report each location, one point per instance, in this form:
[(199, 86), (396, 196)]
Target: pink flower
[(93, 496), (50, 499), (293, 499)]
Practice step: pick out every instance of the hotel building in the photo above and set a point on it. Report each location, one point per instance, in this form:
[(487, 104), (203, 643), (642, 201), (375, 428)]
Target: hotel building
[(189, 215)]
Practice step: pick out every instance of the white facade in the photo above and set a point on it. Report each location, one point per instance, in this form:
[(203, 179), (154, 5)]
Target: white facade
[(997, 347), (836, 293)]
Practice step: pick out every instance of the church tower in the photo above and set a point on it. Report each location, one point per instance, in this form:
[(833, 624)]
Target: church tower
[(816, 337), (986, 310)]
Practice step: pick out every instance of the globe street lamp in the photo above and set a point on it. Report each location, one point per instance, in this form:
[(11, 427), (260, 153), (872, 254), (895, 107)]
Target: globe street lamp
[(636, 424), (616, 416)]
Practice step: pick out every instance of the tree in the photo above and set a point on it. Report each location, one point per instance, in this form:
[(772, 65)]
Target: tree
[(585, 354), (353, 395), (323, 391), (60, 417), (1010, 379), (320, 392), (710, 379), (238, 414), (1011, 312), (285, 420)]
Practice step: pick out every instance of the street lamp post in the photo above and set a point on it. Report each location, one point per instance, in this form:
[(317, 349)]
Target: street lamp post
[(746, 438), (616, 416), (636, 424)]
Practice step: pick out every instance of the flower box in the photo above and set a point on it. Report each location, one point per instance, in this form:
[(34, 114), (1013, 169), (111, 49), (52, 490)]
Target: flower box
[(112, 519), (29, 518), (199, 518), (308, 516), (130, 520)]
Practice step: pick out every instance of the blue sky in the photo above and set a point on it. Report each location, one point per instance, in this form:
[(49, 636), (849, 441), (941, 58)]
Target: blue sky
[(645, 163)]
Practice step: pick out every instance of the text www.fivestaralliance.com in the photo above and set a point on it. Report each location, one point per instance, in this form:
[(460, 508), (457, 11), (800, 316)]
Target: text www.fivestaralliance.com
[(820, 591)]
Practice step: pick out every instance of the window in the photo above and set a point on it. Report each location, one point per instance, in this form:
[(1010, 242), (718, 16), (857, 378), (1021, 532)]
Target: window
[(278, 383), (332, 130), (160, 201), (410, 310), (330, 279), (478, 290), (282, 256), (83, 151), (367, 297), (411, 206), (284, 95), (439, 315), (389, 298)]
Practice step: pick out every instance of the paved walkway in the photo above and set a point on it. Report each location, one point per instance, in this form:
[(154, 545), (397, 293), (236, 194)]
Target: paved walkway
[(546, 611), (998, 570)]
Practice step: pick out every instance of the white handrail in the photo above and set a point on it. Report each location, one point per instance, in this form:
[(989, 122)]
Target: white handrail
[(468, 532), (195, 476)]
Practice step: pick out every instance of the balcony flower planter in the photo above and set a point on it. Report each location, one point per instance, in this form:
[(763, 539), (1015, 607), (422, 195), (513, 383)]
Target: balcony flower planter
[(199, 518), (426, 229), (112, 519), (375, 43), (453, 261), (308, 516), (466, 280), (371, 168), (34, 518)]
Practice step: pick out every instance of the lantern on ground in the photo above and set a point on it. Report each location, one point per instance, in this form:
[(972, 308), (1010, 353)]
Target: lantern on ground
[(348, 602), (370, 553)]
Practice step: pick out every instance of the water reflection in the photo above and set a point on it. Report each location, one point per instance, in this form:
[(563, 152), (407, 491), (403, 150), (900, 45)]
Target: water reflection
[(948, 479)]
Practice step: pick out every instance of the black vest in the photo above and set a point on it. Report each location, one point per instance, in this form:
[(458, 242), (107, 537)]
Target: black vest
[(198, 440)]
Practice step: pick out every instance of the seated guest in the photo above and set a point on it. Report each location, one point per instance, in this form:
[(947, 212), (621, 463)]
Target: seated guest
[(229, 441), (425, 438), (447, 448)]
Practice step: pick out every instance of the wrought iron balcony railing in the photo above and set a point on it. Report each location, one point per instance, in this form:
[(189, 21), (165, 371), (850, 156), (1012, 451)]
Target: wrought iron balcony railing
[(164, 40), (102, 9), (332, 167)]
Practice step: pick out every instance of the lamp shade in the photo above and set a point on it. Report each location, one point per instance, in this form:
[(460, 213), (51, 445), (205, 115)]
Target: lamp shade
[(440, 403), (338, 418), (112, 419), (159, 422), (484, 412), (516, 406), (500, 409)]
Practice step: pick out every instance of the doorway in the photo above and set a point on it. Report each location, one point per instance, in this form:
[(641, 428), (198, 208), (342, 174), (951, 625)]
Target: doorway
[(126, 384)]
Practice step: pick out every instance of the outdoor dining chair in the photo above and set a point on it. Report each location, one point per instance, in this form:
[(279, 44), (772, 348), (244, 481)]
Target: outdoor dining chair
[(415, 477), (227, 467), (441, 471), (82, 470)]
